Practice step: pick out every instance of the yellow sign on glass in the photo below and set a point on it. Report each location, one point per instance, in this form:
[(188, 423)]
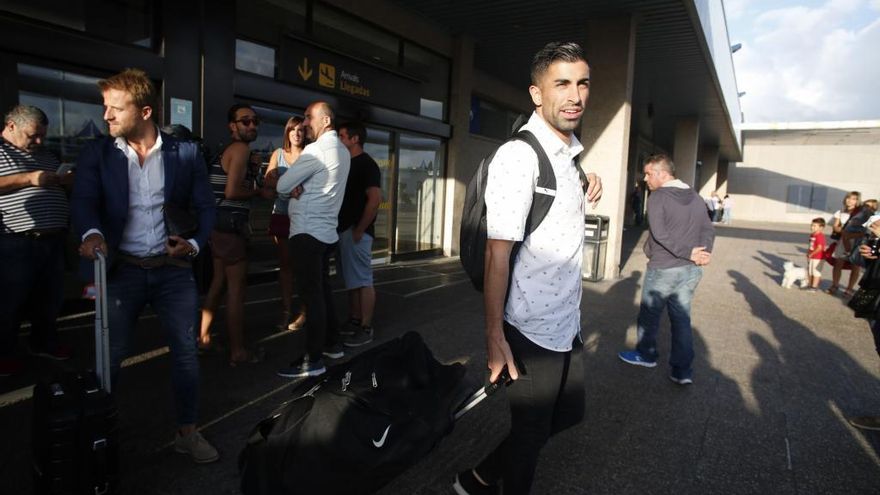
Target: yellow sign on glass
[(327, 75)]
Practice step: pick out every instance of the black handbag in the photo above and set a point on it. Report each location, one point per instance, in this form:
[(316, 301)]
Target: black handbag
[(864, 303), (179, 221)]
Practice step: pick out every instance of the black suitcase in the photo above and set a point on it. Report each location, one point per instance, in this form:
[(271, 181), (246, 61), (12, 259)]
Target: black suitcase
[(361, 424), (75, 436)]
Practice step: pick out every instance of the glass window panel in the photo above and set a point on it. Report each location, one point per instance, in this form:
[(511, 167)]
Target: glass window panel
[(380, 147), (354, 36), (72, 124), (419, 194), (433, 70), (819, 198), (491, 120), (124, 21), (798, 199), (255, 58), (431, 108)]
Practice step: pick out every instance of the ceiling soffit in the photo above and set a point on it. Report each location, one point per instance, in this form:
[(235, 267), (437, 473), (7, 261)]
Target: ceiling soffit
[(672, 75)]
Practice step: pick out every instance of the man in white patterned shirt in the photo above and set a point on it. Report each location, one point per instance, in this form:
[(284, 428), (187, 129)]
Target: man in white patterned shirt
[(534, 329), (33, 226)]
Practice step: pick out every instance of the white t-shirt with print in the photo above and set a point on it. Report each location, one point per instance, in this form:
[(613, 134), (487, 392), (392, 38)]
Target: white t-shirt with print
[(545, 292)]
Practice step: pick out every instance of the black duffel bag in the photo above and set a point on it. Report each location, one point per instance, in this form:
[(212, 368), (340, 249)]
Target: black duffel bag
[(358, 426)]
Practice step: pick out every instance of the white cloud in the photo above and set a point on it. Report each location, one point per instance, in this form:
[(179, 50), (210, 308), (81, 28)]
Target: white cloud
[(736, 9), (812, 63)]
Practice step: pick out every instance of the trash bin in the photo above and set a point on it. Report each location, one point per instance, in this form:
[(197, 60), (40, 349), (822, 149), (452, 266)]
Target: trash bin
[(595, 247)]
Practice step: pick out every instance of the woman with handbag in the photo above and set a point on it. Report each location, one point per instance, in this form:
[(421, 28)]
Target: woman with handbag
[(865, 301)]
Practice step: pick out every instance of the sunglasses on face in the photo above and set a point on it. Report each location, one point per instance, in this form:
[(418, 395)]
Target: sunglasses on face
[(247, 121)]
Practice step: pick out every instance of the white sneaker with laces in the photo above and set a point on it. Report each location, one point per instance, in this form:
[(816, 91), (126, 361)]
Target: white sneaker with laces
[(196, 446)]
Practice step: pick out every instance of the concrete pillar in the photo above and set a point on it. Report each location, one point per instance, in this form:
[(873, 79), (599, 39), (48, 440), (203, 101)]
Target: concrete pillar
[(459, 117), (723, 169), (605, 131), (183, 69), (684, 151), (218, 71), (709, 171)]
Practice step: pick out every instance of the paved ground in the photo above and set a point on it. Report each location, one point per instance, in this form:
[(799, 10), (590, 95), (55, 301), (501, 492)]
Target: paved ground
[(777, 371)]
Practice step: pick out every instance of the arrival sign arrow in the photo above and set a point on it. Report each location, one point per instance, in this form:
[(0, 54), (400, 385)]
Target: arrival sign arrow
[(304, 71)]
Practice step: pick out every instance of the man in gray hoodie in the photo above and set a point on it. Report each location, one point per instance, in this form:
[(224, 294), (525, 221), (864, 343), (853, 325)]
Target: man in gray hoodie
[(679, 246)]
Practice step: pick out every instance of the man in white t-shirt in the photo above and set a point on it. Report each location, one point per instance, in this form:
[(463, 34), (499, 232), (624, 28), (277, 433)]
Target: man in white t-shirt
[(535, 330)]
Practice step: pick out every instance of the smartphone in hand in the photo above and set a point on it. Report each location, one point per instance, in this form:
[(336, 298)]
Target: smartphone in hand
[(65, 168)]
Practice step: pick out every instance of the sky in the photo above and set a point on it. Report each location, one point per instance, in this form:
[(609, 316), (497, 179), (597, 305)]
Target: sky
[(814, 60)]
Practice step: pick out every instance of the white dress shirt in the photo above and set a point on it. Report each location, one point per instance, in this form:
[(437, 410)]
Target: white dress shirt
[(144, 233)]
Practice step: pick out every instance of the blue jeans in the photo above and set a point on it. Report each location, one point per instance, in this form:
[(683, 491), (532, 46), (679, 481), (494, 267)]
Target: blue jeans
[(32, 279), (171, 291), (672, 289)]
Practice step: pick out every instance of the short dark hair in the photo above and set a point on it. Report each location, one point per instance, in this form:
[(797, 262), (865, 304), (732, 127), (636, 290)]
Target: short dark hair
[(819, 221), (230, 115), (556, 51), (26, 114), (355, 129), (662, 160)]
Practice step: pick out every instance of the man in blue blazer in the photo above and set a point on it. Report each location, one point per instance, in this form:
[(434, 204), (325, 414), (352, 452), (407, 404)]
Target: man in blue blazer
[(125, 185)]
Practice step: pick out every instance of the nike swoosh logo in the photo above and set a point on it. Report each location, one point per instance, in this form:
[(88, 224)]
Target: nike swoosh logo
[(380, 442)]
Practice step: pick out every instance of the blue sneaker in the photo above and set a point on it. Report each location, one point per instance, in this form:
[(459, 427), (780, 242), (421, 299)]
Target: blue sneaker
[(682, 381), (303, 368), (634, 358)]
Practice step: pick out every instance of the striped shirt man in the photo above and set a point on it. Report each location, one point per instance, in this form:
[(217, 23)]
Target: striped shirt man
[(30, 208)]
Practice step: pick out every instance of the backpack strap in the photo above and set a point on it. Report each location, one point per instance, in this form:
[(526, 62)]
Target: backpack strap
[(545, 188)]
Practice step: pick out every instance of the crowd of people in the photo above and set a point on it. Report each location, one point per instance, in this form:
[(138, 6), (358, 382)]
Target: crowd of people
[(720, 210), (849, 229), (151, 202)]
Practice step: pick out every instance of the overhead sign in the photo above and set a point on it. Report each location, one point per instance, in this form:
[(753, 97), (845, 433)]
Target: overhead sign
[(308, 65)]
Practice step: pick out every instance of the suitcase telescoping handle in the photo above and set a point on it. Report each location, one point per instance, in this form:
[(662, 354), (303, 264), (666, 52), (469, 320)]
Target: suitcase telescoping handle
[(478, 396), (102, 334)]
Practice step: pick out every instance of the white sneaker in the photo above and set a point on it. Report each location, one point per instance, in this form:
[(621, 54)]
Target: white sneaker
[(196, 446)]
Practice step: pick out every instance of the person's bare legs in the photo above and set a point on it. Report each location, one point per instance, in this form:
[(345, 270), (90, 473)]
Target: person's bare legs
[(853, 278), (835, 275), (236, 276), (367, 297), (354, 305), (285, 278), (212, 299)]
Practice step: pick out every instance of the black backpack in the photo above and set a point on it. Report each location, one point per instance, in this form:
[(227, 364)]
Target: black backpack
[(472, 236)]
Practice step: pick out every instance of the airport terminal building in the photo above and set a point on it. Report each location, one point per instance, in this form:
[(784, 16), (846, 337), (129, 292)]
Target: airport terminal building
[(438, 85), (793, 172)]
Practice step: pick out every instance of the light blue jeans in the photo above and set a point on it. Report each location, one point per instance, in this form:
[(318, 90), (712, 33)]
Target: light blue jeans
[(672, 289)]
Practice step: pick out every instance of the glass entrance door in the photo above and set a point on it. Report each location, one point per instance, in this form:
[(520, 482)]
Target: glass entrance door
[(419, 194)]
